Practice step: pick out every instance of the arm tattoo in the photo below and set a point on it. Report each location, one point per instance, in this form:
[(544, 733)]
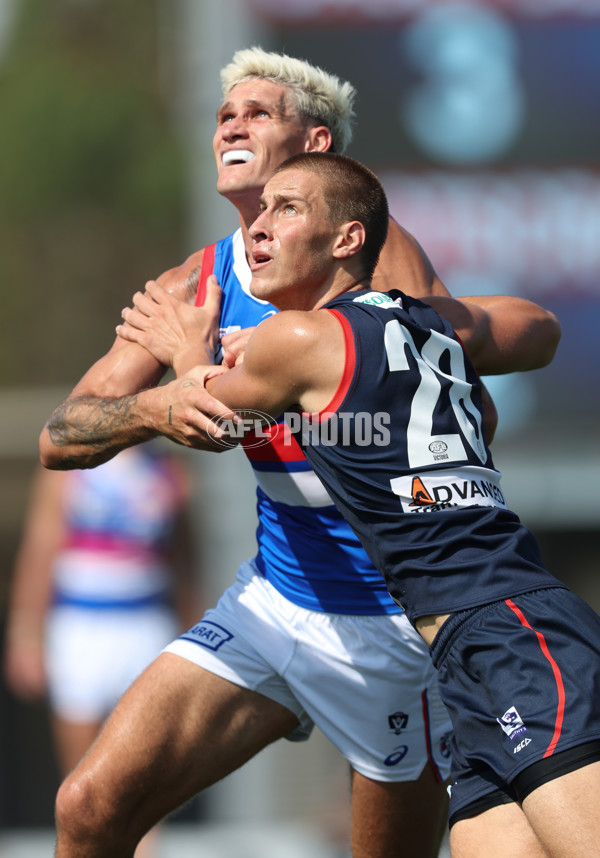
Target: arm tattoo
[(191, 284), (97, 423)]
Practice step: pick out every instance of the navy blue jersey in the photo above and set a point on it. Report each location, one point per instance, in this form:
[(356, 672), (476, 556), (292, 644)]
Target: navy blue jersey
[(401, 451), (306, 549)]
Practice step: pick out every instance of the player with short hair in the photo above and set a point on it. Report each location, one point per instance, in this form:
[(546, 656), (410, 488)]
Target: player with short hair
[(517, 653), (309, 563)]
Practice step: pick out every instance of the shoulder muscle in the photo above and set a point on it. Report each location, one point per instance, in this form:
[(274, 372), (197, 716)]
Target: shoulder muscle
[(182, 281)]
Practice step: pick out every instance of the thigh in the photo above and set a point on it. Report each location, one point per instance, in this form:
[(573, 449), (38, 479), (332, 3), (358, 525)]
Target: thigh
[(407, 818), (564, 813), (369, 685), (498, 832), (247, 640), (181, 727)]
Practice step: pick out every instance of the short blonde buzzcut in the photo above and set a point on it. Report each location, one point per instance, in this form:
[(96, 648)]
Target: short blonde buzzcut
[(320, 98)]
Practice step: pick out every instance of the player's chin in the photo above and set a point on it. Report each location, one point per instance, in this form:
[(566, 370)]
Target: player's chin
[(231, 183), (259, 289), (264, 291)]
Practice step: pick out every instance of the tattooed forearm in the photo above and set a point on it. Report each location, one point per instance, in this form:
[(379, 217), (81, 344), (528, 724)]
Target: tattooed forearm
[(98, 424)]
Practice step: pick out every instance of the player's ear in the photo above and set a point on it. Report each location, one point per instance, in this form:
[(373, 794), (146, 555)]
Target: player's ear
[(318, 139), (350, 239)]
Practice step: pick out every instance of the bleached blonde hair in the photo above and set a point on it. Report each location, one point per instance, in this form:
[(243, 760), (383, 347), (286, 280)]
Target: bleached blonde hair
[(319, 97)]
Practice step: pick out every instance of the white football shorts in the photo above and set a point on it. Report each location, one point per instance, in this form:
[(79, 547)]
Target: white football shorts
[(366, 681), (93, 656)]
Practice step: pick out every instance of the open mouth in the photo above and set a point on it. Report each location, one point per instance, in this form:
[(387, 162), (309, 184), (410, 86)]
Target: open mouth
[(236, 156), (259, 259)]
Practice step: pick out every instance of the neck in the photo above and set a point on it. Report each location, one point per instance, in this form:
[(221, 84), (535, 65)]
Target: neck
[(246, 236), (247, 215), (320, 294), (248, 207), (343, 282)]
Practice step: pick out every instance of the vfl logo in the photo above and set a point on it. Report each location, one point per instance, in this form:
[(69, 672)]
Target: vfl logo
[(397, 722), (512, 723), (208, 634)]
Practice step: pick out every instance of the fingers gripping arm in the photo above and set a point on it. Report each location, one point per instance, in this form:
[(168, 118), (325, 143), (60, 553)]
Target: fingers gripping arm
[(176, 334)]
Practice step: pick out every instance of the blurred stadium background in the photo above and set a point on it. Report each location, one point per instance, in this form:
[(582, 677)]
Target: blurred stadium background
[(482, 120)]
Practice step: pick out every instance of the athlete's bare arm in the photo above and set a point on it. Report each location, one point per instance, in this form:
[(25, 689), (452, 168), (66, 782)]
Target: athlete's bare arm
[(530, 344), (510, 334), (117, 403), (404, 265), (293, 359)]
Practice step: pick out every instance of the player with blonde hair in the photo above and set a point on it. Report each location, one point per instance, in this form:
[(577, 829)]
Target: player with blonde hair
[(309, 634)]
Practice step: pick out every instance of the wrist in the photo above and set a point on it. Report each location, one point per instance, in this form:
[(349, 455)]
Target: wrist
[(151, 411), (187, 360)]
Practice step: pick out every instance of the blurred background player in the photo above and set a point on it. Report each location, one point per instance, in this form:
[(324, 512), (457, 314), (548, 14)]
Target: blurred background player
[(103, 579)]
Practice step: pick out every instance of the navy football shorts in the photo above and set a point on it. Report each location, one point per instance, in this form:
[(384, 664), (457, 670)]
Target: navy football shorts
[(521, 681)]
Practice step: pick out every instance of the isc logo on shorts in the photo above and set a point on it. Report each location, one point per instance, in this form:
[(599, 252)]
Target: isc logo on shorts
[(208, 634), (521, 745)]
